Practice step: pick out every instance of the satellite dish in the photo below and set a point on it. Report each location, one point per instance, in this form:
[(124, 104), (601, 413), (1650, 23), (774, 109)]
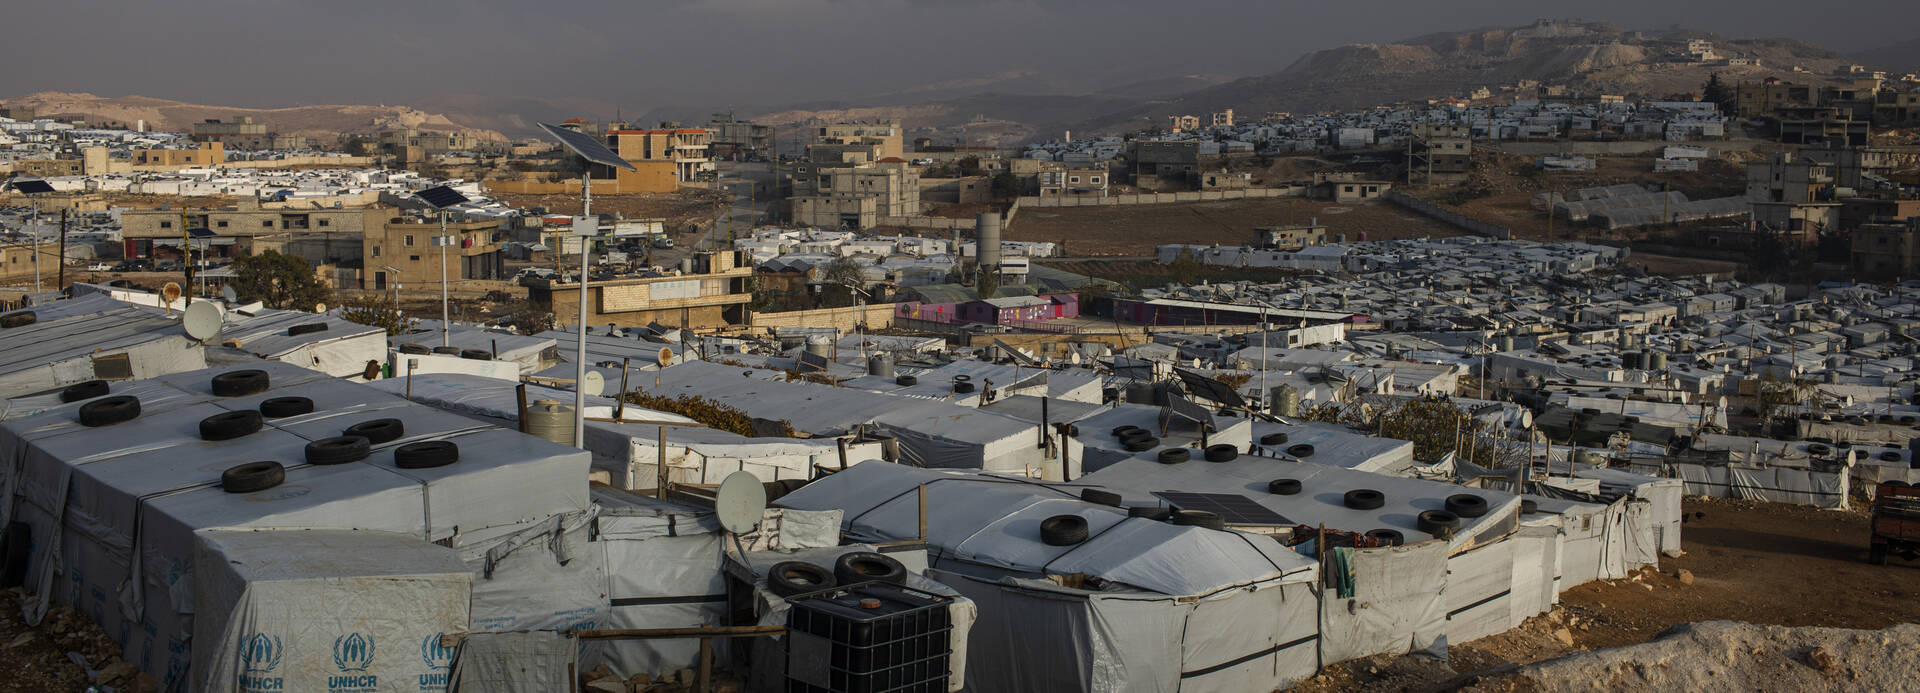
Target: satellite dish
[(664, 358), (203, 320), (320, 308), (740, 502), (594, 384), (170, 292), (226, 292)]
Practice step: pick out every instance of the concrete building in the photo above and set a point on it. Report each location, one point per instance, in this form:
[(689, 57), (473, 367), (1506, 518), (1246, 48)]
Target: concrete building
[(714, 294), (1060, 179), (885, 133), (740, 139), (216, 130), (407, 244), (1756, 99), (684, 153), (1886, 251), (1183, 123), (145, 232), (1223, 119), (855, 197), (207, 154), (1790, 178), (1165, 165), (1290, 237), (399, 141), (1439, 153)]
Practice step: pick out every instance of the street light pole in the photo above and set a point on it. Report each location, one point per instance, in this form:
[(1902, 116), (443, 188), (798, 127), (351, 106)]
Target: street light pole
[(33, 235), (445, 313), (580, 353)]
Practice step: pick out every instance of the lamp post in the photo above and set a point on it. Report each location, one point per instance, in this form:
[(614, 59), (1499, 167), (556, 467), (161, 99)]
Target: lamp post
[(594, 152), (33, 189), (441, 197)]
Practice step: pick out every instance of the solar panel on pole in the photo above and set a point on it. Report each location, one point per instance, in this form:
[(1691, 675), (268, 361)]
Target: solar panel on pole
[(441, 196), (587, 147), (33, 187)]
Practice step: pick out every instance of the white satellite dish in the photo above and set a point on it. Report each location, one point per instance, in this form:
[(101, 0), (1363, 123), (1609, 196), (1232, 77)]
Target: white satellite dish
[(320, 308), (664, 358), (740, 502), (227, 293), (203, 320), (594, 384)]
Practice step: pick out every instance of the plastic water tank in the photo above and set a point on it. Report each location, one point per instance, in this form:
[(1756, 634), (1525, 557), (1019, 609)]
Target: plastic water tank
[(551, 420), (1287, 397), (880, 365)]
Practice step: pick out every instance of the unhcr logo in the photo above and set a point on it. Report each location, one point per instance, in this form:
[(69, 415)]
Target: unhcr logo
[(259, 656), (353, 653), (439, 660)]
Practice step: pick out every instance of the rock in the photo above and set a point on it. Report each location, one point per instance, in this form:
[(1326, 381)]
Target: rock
[(607, 686), (1685, 576), (640, 680), (22, 639), (118, 670), (598, 673), (684, 677), (1564, 636), (144, 683), (1649, 587), (1819, 658)]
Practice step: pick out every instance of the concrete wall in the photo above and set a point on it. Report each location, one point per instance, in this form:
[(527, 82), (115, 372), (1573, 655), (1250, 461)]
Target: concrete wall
[(1611, 148), (1163, 198), (940, 223), (1470, 225), (876, 316)]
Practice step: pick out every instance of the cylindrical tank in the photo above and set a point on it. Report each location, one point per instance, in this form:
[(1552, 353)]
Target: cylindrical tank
[(1656, 360), (1287, 397), (889, 444), (551, 420), (986, 239), (1836, 361), (686, 265), (880, 365), (1506, 342), (1139, 393), (820, 345), (1589, 458), (1631, 360)]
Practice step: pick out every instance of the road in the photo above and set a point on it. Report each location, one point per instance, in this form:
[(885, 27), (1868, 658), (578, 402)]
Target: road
[(752, 186)]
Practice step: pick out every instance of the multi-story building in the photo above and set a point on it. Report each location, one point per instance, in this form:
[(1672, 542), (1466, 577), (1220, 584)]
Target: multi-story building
[(150, 233), (885, 133), (1790, 178), (399, 141), (216, 130), (1183, 123), (406, 244), (856, 197), (739, 139), (1165, 164), (686, 153), (1885, 251), (207, 154), (714, 294), (1223, 119), (1060, 179), (1439, 153), (1755, 99)]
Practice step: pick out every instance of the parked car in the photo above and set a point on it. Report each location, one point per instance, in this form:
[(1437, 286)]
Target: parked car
[(100, 267), (662, 242)]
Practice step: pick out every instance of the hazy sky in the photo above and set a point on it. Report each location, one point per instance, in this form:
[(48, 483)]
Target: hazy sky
[(640, 54)]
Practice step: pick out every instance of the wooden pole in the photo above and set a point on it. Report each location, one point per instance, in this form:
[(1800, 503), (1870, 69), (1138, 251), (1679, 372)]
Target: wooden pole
[(705, 682), (842, 444), (520, 397), (61, 282), (661, 492), (923, 512), (620, 399)]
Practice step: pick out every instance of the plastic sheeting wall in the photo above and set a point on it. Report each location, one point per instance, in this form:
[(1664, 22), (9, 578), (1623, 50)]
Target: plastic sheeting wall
[(1396, 606), (1479, 584), (1796, 485)]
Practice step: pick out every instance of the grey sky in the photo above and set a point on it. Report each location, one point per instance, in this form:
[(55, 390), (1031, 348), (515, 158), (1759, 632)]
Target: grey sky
[(639, 54)]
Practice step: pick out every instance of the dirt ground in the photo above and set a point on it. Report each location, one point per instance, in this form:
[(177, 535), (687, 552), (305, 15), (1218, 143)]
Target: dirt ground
[(1134, 230), (1511, 181), (1668, 265), (36, 660), (1750, 562), (678, 208)]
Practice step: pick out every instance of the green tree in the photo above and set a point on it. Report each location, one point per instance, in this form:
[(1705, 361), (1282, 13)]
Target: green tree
[(375, 310), (1185, 267), (280, 281), (1719, 93), (969, 166), (989, 284), (1007, 186)]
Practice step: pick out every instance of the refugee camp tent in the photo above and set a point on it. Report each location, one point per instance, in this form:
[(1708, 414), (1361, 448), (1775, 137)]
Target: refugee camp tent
[(116, 343), (1139, 605)]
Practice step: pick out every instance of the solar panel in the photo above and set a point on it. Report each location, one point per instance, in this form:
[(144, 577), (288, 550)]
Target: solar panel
[(1015, 354), (441, 196), (201, 232), (587, 147), (812, 362), (1203, 386), (33, 187), (1234, 508), (1189, 410)]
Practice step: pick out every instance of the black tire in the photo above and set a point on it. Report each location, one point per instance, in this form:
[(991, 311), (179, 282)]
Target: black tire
[(1220, 453), (1121, 431), (240, 383), (415, 349), (476, 355), (1284, 487), (1100, 497), (450, 350), (1890, 456), (86, 390), (1466, 505), (1364, 499), (1301, 450), (1155, 514), (1528, 507), (377, 431), (18, 319), (1390, 537), (108, 411), (961, 378), (1818, 450), (252, 476), (961, 388), (1063, 530), (1439, 523), (1273, 439), (1141, 444), (906, 380), (1174, 455), (337, 450), (230, 425), (789, 578), (867, 566), (1198, 518), (16, 545), (308, 328), (283, 407), (426, 454), (1135, 434)]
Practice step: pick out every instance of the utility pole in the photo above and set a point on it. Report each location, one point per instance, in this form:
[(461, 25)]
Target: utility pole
[(61, 282), (445, 320)]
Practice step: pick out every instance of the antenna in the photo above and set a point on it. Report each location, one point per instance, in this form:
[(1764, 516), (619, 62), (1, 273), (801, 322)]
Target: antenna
[(740, 502), (203, 320)]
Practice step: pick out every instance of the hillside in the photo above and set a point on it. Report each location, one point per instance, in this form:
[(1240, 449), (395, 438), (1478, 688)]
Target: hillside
[(320, 122), (1899, 57)]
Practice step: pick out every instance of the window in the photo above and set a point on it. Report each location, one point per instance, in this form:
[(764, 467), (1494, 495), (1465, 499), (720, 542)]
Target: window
[(220, 224), (413, 258), (266, 224), (376, 251), (1349, 188), (1094, 180), (1073, 179), (409, 241), (166, 224), (324, 222)]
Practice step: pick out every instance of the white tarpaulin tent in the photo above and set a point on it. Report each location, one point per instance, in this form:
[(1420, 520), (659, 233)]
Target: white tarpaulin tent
[(117, 343), (297, 610), (1662, 514), (1156, 606)]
